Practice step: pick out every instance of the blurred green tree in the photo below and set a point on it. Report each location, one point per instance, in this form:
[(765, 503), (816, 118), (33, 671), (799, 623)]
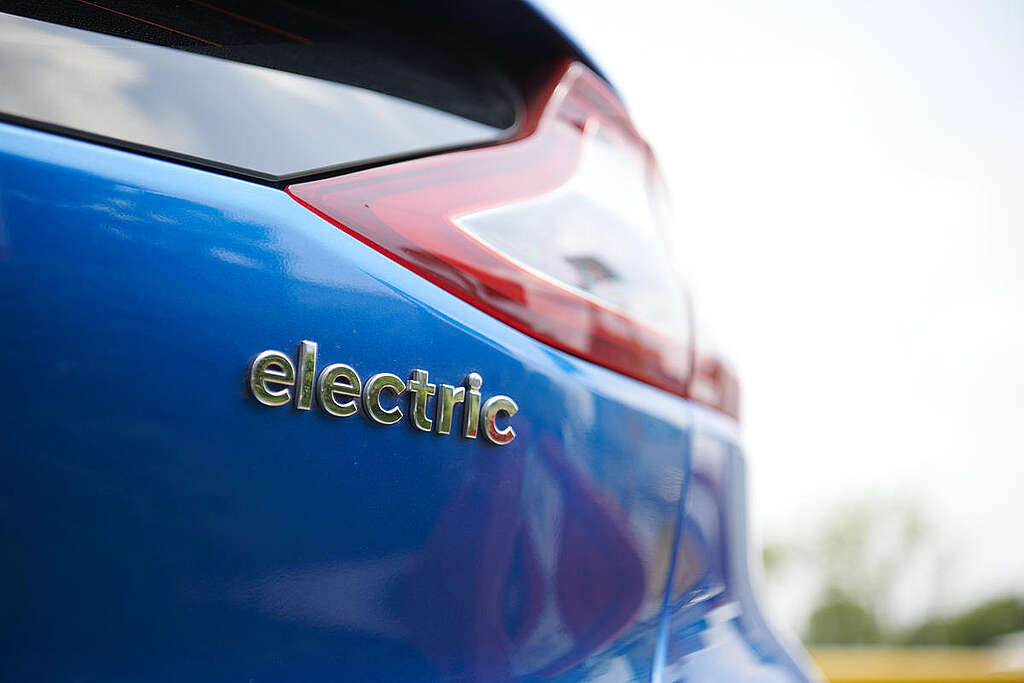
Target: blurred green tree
[(861, 556), (839, 620), (978, 626), (861, 553)]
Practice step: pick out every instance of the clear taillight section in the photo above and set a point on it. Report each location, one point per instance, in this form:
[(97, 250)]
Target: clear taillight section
[(561, 232)]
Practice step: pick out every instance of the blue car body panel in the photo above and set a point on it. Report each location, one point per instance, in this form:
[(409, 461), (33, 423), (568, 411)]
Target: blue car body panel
[(159, 524)]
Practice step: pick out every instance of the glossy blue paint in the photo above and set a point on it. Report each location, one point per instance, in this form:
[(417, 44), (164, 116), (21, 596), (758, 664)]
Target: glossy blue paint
[(158, 524)]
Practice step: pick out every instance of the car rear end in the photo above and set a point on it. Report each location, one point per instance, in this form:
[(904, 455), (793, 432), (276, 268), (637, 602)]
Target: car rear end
[(346, 343)]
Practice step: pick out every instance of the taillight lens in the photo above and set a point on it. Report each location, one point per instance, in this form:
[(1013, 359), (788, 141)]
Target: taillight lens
[(715, 385), (561, 232)]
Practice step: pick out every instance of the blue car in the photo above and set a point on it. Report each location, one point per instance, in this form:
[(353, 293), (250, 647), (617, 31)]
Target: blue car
[(345, 342)]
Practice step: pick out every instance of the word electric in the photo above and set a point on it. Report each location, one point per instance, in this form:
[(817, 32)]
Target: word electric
[(338, 389)]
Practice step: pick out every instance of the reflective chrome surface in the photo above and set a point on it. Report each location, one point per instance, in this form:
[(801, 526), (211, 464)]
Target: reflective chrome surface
[(471, 419), (271, 368), (421, 391), (372, 390), (306, 377), (448, 397), (336, 382), (493, 408)]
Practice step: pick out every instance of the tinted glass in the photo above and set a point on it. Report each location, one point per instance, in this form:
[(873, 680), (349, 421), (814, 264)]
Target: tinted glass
[(261, 121)]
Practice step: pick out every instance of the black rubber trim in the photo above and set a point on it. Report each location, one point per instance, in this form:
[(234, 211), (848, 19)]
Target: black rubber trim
[(279, 181)]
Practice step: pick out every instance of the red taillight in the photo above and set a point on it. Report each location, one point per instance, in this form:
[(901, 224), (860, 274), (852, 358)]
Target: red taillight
[(715, 385), (560, 233)]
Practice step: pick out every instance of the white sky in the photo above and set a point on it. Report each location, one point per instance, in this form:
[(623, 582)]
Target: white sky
[(848, 182)]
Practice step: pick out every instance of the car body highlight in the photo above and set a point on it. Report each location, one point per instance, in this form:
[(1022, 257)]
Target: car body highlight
[(175, 507)]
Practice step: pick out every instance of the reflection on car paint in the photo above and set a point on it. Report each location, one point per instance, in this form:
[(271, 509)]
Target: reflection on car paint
[(168, 527)]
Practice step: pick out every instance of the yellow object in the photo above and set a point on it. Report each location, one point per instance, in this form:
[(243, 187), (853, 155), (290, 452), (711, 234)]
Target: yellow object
[(934, 665)]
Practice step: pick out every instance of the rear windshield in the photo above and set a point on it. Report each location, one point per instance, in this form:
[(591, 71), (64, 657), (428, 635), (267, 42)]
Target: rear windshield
[(267, 94)]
